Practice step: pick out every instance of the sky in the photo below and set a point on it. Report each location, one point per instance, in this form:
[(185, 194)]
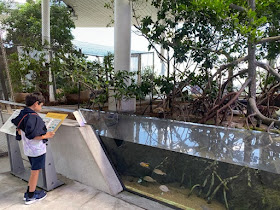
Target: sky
[(105, 36)]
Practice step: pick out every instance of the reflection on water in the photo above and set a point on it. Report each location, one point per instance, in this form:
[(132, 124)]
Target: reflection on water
[(254, 149)]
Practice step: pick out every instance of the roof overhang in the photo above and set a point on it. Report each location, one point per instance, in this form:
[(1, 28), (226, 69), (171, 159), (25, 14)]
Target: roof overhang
[(93, 13)]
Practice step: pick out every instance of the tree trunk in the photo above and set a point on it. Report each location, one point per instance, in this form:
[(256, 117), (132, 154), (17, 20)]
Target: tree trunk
[(264, 119), (251, 65), (2, 81), (230, 76), (7, 71)]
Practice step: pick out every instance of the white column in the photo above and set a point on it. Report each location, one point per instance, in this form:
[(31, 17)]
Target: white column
[(46, 37), (122, 48), (122, 35), (46, 24)]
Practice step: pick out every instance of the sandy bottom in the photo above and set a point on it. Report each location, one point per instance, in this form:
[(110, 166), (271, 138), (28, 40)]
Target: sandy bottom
[(176, 196)]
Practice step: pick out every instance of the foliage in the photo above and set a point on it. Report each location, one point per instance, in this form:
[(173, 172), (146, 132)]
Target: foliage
[(124, 86), (26, 72), (212, 34), (2, 7), (146, 86), (164, 84), (68, 70), (23, 26), (203, 29), (98, 77)]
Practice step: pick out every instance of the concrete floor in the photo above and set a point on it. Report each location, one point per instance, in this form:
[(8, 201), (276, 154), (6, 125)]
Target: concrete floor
[(72, 195)]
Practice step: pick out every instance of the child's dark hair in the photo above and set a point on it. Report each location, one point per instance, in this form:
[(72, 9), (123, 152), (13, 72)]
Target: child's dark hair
[(33, 97)]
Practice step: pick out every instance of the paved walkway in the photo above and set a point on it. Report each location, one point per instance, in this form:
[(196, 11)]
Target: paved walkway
[(72, 195)]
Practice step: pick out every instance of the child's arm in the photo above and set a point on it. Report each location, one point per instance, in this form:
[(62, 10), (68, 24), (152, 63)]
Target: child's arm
[(35, 129), (48, 135)]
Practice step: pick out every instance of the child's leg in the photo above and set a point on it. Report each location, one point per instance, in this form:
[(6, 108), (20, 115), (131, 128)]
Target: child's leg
[(32, 195), (33, 180), (37, 163)]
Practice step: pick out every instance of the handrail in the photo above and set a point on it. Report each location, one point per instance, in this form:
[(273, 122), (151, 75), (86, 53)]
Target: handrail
[(44, 107)]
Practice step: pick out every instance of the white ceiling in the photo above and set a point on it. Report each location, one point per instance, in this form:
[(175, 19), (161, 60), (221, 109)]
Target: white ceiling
[(92, 13)]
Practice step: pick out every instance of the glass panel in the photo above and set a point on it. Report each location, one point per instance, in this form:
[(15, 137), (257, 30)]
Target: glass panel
[(176, 161)]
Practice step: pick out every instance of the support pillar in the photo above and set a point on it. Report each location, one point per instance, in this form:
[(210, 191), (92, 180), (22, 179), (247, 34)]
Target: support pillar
[(46, 38), (122, 48)]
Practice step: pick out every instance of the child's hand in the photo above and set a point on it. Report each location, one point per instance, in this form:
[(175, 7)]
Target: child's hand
[(49, 135)]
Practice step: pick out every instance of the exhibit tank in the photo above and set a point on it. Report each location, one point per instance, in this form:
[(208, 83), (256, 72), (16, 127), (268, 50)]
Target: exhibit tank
[(191, 166)]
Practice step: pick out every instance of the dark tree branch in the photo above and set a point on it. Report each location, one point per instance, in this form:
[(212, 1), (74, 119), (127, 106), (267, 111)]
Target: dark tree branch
[(139, 28), (233, 63), (222, 101), (269, 39), (249, 118), (152, 45), (268, 94), (213, 113), (259, 115), (269, 69), (238, 8), (239, 73)]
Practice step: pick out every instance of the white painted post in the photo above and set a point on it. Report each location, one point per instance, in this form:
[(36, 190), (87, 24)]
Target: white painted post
[(122, 35), (46, 38), (122, 48)]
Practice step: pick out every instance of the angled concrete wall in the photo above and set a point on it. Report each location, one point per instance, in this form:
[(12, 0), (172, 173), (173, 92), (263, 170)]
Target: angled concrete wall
[(78, 155)]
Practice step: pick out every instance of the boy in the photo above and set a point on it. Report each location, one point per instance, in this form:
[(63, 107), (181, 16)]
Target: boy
[(33, 132)]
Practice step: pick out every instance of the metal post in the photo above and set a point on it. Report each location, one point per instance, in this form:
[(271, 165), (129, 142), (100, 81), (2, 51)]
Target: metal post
[(47, 179), (139, 69), (46, 40)]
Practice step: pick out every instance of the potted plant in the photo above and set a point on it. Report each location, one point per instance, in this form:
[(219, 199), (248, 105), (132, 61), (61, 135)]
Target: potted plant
[(71, 94)]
